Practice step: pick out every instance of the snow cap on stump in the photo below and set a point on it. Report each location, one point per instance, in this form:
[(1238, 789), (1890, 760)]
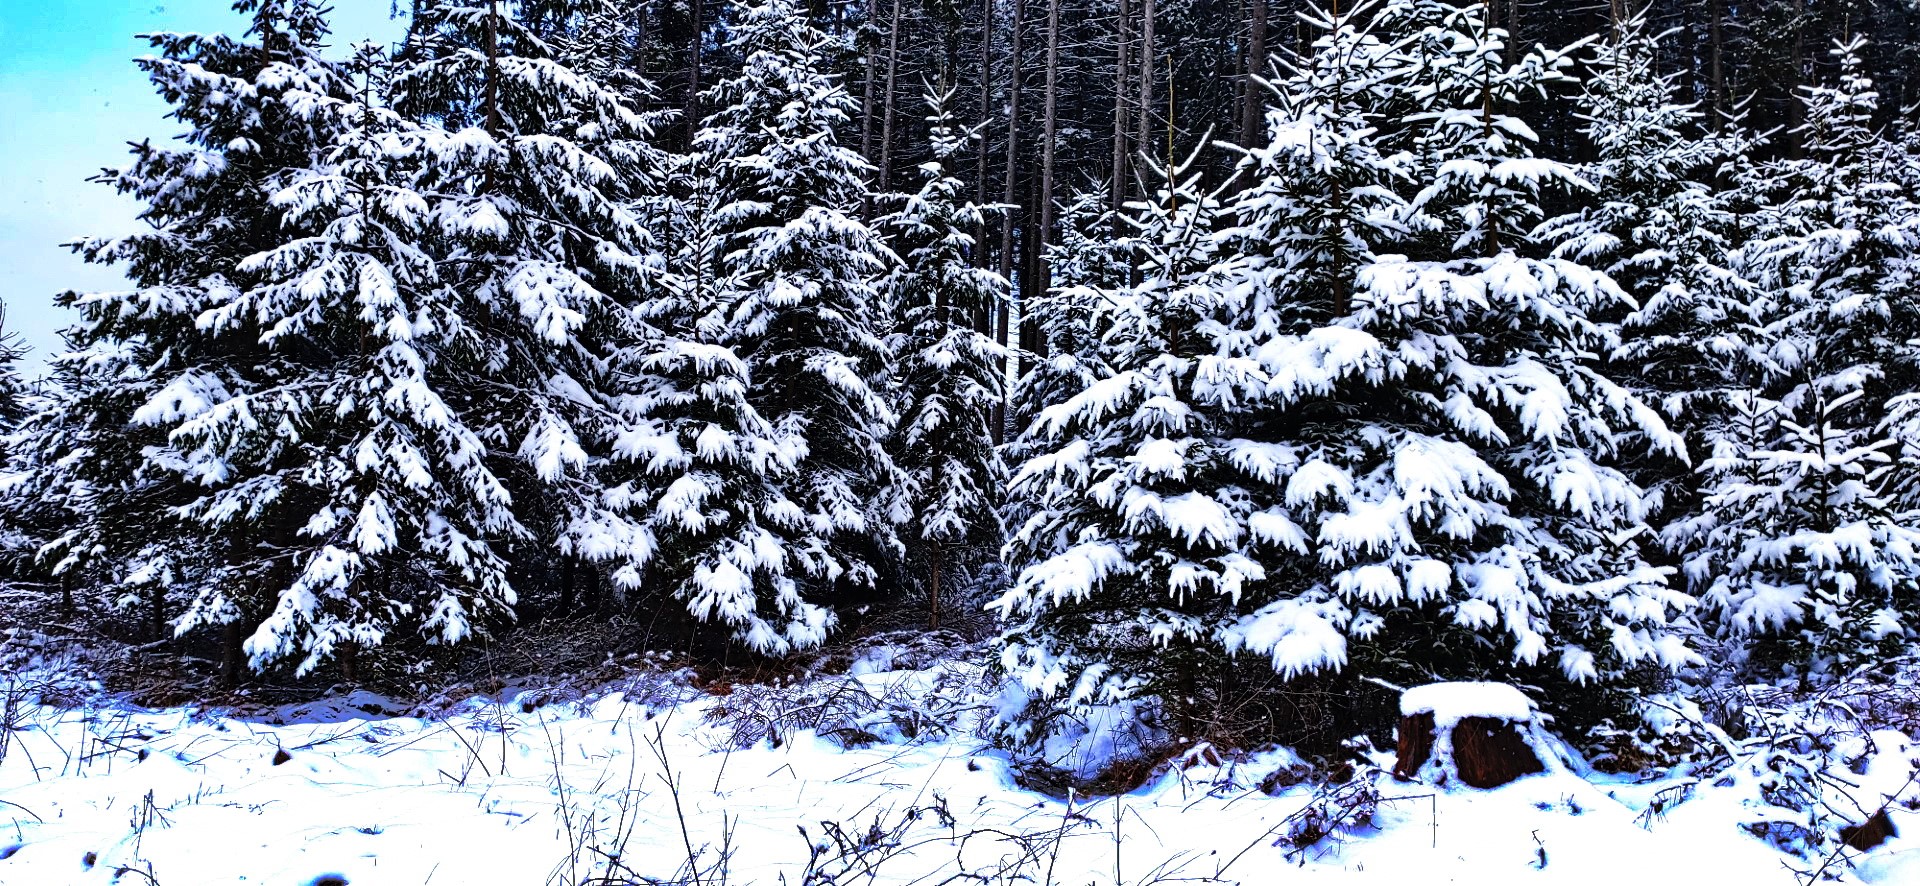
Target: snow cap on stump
[(1483, 734)]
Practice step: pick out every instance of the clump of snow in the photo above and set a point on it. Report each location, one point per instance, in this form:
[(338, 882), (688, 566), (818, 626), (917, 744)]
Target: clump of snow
[(1449, 703)]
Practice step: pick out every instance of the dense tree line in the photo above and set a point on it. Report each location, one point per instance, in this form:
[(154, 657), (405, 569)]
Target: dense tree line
[(1224, 349)]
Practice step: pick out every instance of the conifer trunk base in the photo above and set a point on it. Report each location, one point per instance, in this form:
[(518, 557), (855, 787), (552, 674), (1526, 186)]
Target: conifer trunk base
[(157, 614), (233, 638), (350, 663), (933, 592), (566, 586)]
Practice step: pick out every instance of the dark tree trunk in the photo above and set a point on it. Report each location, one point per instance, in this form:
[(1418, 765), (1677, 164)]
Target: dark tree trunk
[(566, 585), (349, 658), (886, 115), (233, 655), (986, 114), (1716, 29), (1049, 147), (1122, 77), (693, 70), (1145, 141), (866, 91), (1254, 106), (1796, 76), (157, 612), (933, 587), (1007, 194), (493, 67)]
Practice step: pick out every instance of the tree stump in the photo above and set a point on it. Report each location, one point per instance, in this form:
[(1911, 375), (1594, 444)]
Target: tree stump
[(1476, 732), (1414, 744)]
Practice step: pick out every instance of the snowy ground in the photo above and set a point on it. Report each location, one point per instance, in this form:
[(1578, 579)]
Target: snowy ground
[(560, 793)]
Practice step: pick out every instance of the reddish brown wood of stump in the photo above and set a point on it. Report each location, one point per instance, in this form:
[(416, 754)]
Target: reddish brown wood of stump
[(1877, 830), (1487, 752), (1490, 753), (1415, 745)]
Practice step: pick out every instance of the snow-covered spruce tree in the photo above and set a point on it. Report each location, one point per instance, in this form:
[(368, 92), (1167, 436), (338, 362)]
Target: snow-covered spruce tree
[(603, 41), (357, 469), (1657, 224), (1324, 193), (1408, 467), (1092, 249), (1483, 517), (1801, 552), (93, 510), (753, 484), (948, 374), (19, 534), (801, 306), (1801, 557), (697, 485), (558, 173), (98, 461), (412, 321), (1139, 498), (1089, 261), (13, 389)]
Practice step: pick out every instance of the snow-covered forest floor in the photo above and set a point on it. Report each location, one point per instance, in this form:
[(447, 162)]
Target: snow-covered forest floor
[(879, 776)]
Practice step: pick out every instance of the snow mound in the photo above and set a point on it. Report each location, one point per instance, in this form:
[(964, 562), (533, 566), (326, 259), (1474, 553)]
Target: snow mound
[(1449, 703)]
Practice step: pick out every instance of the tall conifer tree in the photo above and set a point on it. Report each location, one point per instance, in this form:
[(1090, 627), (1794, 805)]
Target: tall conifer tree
[(949, 380)]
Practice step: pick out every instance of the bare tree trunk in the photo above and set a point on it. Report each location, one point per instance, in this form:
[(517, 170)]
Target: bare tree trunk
[(1254, 109), (1716, 73), (866, 94), (886, 124), (693, 73), (1342, 277), (1237, 101), (493, 67), (1050, 146), (1031, 260), (1797, 75), (1122, 72), (986, 112), (637, 57), (1486, 118), (1007, 197), (1146, 75), (266, 36), (1013, 143)]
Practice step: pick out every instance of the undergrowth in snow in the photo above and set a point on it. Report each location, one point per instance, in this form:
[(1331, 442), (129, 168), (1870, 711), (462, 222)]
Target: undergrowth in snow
[(875, 777)]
